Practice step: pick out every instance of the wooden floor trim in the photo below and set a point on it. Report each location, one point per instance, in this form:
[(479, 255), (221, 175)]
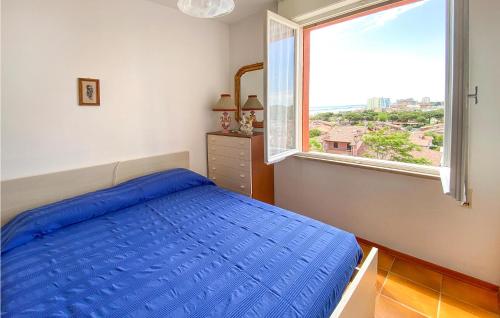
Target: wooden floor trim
[(440, 269)]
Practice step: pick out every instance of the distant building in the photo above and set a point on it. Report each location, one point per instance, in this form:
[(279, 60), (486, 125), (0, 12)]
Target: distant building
[(426, 100), (345, 140), (426, 104), (406, 102), (378, 103)]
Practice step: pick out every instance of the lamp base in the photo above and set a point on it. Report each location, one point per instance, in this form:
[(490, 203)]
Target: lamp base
[(225, 122)]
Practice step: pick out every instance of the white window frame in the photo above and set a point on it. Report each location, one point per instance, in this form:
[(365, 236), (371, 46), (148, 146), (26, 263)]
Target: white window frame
[(271, 16), (337, 10), (454, 173)]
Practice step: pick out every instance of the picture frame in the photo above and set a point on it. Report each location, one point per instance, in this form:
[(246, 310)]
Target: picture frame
[(89, 93)]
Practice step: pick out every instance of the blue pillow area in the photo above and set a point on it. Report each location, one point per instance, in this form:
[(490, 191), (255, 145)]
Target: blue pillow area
[(46, 219)]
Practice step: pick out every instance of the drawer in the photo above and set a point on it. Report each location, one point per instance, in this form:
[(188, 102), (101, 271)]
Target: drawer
[(228, 162), (233, 184), (235, 172), (234, 153), (231, 142)]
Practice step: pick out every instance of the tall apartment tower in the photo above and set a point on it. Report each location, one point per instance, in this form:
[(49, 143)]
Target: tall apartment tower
[(378, 103)]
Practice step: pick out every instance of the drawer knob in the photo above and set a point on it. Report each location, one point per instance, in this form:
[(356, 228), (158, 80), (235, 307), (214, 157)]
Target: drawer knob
[(242, 186), (213, 158), (242, 175), (214, 168), (214, 178), (242, 153), (242, 164)]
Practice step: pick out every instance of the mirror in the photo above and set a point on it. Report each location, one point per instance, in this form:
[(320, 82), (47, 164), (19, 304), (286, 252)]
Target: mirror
[(249, 80)]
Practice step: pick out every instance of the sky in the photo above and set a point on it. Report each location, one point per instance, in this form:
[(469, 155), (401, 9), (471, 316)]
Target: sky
[(397, 53)]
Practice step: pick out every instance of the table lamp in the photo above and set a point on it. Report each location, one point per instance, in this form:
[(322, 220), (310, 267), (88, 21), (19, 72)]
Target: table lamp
[(253, 104), (225, 105)]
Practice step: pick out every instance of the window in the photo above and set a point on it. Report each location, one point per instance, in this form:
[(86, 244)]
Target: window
[(384, 84), (376, 81), (281, 87)]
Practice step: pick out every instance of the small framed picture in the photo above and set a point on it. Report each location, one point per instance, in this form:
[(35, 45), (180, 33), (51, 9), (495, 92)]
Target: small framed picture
[(88, 92)]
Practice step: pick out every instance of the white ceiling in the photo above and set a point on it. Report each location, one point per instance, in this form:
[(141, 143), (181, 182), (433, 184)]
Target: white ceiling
[(243, 9)]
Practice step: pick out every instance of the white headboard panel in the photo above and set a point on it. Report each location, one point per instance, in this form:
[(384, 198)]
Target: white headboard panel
[(22, 194), (131, 169)]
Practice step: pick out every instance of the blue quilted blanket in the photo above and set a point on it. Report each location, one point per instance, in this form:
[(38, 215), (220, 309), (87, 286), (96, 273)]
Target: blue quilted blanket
[(172, 244)]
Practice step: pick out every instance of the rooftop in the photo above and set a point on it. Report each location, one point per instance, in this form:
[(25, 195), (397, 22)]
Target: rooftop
[(419, 138), (350, 134)]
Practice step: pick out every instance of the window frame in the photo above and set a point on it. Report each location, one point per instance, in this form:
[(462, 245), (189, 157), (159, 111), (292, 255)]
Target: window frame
[(455, 171), (391, 166), (298, 91)]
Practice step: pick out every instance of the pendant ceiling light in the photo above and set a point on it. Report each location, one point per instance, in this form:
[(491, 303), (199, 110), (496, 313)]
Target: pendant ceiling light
[(206, 8)]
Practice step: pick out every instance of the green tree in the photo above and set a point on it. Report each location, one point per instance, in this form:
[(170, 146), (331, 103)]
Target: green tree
[(315, 145), (369, 115), (394, 117), (322, 116), (353, 117), (437, 140), (396, 146), (422, 120), (438, 114), (382, 117), (315, 132)]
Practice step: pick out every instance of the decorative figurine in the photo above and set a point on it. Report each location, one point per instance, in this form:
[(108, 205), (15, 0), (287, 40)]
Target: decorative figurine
[(246, 127)]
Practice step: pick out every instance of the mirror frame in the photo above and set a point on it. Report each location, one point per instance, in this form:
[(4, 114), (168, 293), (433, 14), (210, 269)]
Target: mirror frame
[(237, 90)]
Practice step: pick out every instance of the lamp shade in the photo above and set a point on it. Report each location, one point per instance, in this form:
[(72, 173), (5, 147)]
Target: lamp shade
[(206, 8), (225, 104), (253, 103)]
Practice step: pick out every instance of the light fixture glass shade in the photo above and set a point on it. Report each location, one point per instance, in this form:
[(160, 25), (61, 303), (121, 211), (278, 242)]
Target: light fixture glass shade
[(206, 8), (253, 103), (225, 104)]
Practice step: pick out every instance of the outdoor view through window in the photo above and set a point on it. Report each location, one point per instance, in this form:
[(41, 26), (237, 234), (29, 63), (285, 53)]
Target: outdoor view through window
[(377, 85)]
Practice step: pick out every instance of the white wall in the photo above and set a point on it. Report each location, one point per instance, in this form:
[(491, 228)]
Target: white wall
[(406, 213), (160, 73), (247, 46), (246, 42)]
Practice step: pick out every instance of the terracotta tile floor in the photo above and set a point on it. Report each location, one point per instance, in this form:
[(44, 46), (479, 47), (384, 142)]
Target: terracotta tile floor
[(409, 290)]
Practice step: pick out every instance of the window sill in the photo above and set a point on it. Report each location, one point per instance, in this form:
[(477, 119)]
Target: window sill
[(372, 164)]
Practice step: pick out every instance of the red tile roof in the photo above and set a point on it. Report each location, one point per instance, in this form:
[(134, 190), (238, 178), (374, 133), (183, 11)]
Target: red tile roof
[(419, 138), (433, 155), (350, 134)]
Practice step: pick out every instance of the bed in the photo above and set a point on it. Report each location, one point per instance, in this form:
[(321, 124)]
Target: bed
[(172, 244)]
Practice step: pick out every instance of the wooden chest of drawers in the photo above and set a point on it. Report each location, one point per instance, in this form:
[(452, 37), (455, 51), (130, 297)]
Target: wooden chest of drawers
[(236, 162)]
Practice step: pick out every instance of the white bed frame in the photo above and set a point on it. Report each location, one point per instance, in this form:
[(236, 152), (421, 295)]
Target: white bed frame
[(358, 300)]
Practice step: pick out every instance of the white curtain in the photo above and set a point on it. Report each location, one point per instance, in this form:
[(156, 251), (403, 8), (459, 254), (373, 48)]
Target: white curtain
[(281, 102), (454, 174)]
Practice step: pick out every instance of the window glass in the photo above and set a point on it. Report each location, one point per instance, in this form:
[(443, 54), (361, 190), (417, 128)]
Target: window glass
[(377, 85), (281, 107)]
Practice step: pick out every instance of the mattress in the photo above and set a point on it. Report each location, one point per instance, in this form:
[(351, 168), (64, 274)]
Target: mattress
[(172, 244)]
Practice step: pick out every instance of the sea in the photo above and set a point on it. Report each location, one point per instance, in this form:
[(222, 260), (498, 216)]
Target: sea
[(335, 109)]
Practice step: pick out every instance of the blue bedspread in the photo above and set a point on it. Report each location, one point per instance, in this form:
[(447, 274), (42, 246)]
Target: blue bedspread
[(172, 244)]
